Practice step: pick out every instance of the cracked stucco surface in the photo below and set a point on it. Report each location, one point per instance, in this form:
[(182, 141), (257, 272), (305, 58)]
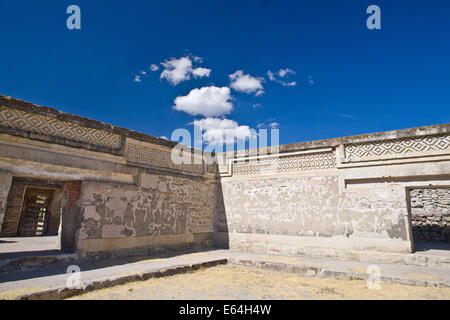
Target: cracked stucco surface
[(313, 206), (167, 205)]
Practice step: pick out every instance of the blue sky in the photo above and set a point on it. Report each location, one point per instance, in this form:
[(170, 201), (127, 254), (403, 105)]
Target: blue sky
[(348, 79)]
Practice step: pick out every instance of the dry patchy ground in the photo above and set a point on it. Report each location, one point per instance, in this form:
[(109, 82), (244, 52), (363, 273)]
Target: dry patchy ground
[(230, 282)]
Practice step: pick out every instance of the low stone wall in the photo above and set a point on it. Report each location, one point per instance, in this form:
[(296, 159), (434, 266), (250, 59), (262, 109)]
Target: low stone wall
[(430, 213)]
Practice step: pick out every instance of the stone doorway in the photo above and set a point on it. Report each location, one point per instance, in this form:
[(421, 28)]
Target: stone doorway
[(41, 217), (33, 208), (430, 217), (34, 218)]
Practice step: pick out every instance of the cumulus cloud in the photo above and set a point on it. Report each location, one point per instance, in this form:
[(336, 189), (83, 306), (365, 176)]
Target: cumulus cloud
[(220, 131), (246, 83), (207, 101), (137, 78), (178, 70), (154, 67), (201, 72), (282, 73)]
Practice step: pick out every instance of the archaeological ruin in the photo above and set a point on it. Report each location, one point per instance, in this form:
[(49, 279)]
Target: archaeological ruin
[(109, 191)]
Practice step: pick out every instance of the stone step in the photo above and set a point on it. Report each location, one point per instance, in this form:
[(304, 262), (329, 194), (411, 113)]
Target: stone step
[(423, 259), (33, 261)]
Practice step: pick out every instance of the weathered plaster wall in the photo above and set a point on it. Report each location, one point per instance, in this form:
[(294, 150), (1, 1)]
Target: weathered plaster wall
[(162, 206), (261, 214), (331, 197), (5, 186), (293, 206), (374, 210)]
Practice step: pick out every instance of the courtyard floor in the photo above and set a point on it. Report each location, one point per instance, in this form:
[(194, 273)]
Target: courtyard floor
[(270, 277), (11, 247), (241, 283)]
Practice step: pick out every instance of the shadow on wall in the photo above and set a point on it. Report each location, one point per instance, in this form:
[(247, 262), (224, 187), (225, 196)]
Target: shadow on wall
[(428, 245), (221, 236), (7, 241), (431, 232), (71, 215)]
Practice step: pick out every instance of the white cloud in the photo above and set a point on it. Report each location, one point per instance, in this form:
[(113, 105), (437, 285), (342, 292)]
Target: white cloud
[(246, 83), (164, 137), (310, 80), (219, 131), (207, 101), (143, 73), (197, 59), (178, 70), (257, 105), (271, 75), (137, 78), (154, 67), (281, 74), (201, 72)]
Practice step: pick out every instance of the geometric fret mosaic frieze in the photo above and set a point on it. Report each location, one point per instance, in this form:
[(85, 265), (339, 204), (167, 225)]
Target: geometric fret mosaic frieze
[(397, 147), (39, 124), (145, 155), (320, 160)]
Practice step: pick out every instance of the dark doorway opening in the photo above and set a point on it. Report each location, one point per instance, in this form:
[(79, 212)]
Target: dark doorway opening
[(41, 219), (32, 220), (33, 209), (35, 214)]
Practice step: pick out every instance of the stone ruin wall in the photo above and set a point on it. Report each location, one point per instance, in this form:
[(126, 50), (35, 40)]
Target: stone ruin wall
[(430, 212), (123, 195), (339, 197)]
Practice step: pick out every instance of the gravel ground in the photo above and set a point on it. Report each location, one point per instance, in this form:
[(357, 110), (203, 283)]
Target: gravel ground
[(234, 282)]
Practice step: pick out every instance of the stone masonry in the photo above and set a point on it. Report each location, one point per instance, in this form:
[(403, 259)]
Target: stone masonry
[(430, 210), (121, 194)]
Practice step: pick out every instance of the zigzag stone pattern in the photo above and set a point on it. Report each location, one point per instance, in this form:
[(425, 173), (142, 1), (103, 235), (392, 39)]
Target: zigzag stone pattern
[(320, 160), (395, 147), (153, 157), (31, 122)]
